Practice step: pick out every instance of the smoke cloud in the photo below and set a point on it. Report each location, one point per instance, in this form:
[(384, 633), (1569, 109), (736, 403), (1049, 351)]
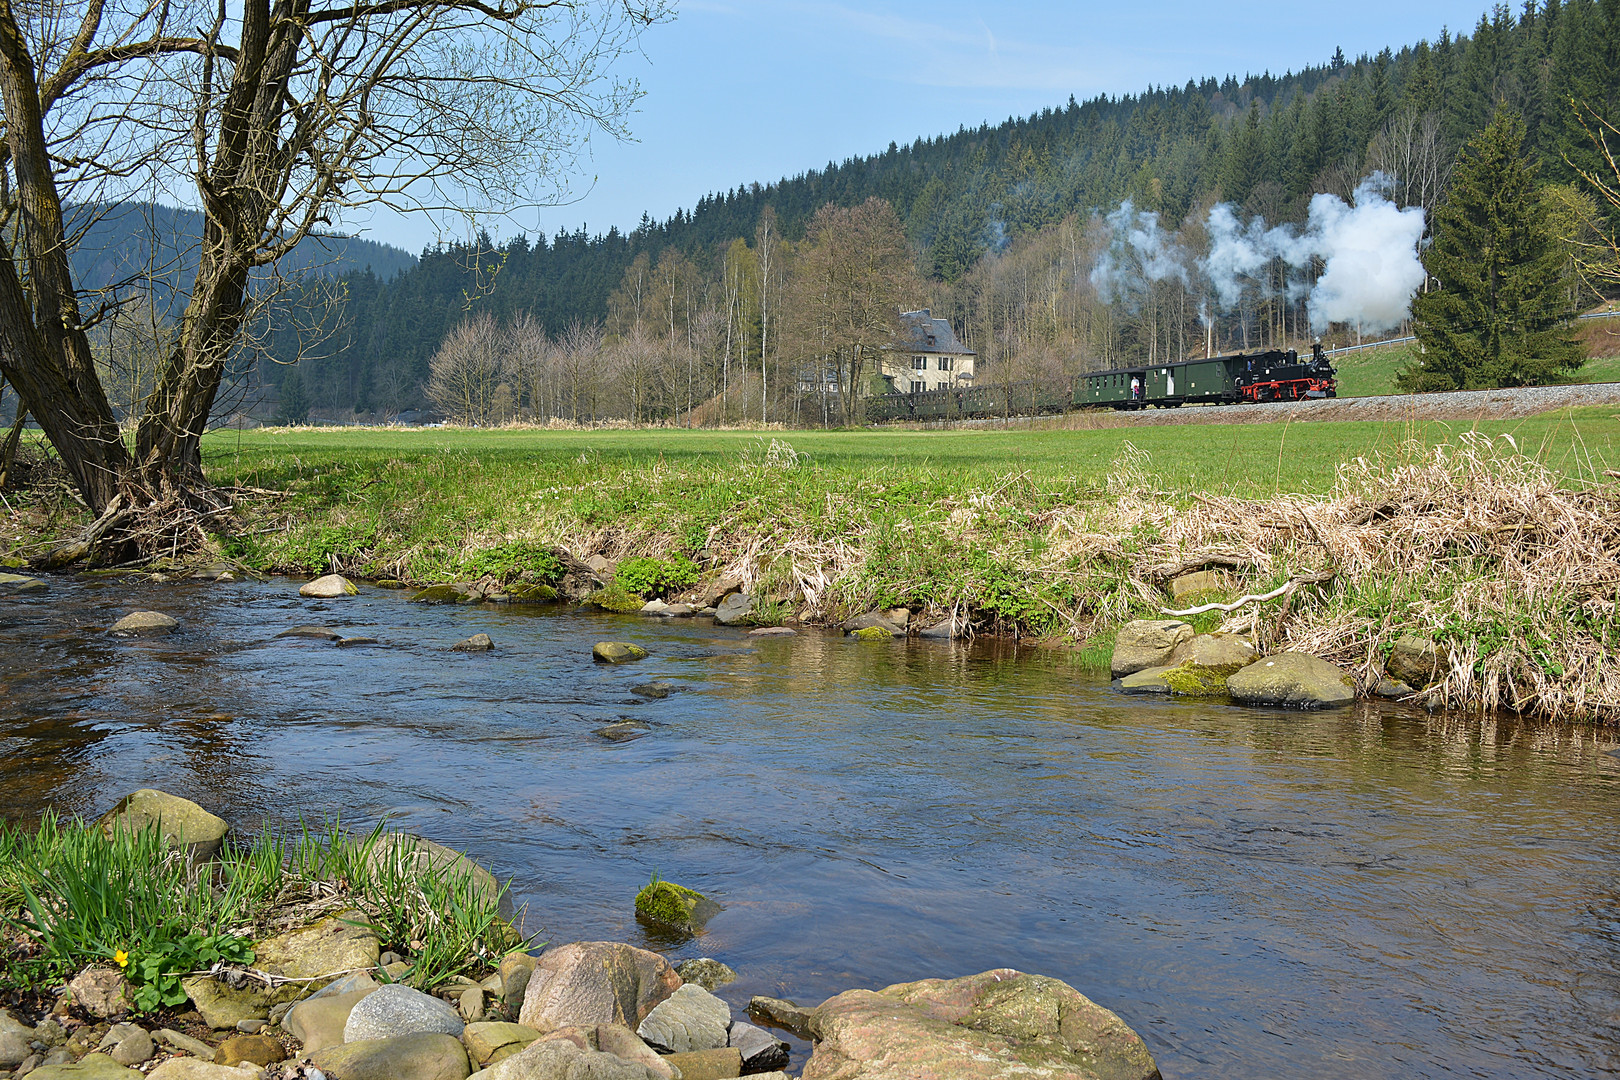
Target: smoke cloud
[(1368, 247), (1139, 252)]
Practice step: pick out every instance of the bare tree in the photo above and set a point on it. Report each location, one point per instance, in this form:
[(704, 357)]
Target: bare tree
[(286, 115), (849, 281), (579, 359), (465, 375), (531, 365), (1412, 153)]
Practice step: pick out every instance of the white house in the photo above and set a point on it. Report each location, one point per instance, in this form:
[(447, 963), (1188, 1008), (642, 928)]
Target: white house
[(926, 356)]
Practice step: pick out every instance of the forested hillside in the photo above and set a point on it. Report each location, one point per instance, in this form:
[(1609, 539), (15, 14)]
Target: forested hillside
[(1005, 223)]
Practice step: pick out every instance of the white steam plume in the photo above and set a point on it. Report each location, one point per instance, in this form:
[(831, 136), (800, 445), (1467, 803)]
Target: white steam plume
[(1139, 252), (1369, 250)]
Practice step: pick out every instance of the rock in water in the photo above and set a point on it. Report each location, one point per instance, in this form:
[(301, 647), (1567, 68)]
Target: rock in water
[(736, 608), (144, 624), (874, 620), (675, 907), (596, 982), (773, 631), (783, 1014), (409, 1057), (406, 853), (182, 822), (1146, 643), (999, 1024), (691, 1019), (707, 973), (616, 652), (476, 643), (329, 587), (394, 1010), (319, 633), (873, 633), (437, 594), (1295, 679), (1215, 652)]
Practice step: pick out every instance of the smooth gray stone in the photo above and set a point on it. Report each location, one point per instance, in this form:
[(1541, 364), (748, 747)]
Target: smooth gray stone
[(394, 1010)]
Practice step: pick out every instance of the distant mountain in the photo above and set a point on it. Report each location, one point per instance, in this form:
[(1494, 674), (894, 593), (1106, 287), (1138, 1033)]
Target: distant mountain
[(124, 242)]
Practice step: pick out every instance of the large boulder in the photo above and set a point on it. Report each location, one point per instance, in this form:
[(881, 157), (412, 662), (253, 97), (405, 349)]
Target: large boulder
[(1417, 661), (144, 623), (1224, 653), (999, 1024), (182, 822), (690, 1019), (329, 587), (408, 1057), (564, 1059), (1145, 643), (1294, 679), (596, 982), (395, 1010), (737, 607), (674, 908), (316, 955)]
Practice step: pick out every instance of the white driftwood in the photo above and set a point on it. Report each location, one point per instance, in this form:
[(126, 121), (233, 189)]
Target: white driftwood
[(1253, 598)]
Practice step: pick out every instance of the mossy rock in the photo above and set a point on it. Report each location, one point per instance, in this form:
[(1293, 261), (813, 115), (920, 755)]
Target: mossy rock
[(615, 599), (11, 562), (872, 633), (616, 652), (390, 583), (1192, 680), (524, 593), (437, 594), (673, 907)]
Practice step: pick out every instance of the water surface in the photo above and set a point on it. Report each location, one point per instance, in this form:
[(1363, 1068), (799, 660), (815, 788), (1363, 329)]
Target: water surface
[(1367, 892)]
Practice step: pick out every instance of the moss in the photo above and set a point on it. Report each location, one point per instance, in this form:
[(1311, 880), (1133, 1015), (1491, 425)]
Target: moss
[(872, 633), (615, 598), (437, 594), (1189, 680), (390, 583), (522, 593), (674, 907)]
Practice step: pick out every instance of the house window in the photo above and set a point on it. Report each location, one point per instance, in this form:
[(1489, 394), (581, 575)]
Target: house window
[(919, 363), (945, 363), (918, 387)]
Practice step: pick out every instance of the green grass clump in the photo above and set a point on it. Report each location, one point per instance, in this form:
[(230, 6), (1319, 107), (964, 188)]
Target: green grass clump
[(72, 895), (645, 576)]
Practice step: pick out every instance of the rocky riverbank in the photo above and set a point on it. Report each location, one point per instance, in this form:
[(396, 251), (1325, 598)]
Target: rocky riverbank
[(322, 999)]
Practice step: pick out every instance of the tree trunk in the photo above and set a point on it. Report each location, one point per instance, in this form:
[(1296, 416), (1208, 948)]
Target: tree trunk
[(44, 352)]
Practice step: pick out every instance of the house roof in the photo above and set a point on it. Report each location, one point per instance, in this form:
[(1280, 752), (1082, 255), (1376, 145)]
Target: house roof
[(920, 332)]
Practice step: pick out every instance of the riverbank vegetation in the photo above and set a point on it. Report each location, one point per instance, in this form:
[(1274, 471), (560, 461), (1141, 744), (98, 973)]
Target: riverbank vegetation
[(74, 894)]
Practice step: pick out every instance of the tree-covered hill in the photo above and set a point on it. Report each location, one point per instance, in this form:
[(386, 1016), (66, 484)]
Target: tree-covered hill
[(1265, 143)]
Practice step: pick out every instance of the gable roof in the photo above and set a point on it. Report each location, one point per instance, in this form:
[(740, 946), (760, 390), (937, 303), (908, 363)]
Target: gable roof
[(922, 333)]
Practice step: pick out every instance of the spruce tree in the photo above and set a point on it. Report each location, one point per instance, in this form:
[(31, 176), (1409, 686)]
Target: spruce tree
[(1500, 316), (293, 408)]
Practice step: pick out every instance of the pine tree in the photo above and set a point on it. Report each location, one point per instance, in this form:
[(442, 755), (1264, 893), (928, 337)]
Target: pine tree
[(293, 408), (1501, 316)]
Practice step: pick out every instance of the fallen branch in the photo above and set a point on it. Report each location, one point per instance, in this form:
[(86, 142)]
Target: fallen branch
[(1258, 598), (73, 551), (1199, 562)]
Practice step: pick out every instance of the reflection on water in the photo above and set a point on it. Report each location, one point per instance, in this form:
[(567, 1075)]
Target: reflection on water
[(1362, 893)]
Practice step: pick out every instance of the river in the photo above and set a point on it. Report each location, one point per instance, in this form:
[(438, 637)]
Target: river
[(1359, 893)]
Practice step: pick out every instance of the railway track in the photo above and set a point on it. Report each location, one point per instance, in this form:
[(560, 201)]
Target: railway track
[(1439, 405)]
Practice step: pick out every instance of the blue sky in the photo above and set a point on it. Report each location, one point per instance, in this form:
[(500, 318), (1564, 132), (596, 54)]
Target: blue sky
[(744, 90)]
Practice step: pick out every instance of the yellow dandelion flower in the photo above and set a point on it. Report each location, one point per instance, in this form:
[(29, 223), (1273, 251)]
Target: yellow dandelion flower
[(121, 958)]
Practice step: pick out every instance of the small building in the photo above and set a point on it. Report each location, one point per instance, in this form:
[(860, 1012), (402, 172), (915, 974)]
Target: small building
[(926, 356)]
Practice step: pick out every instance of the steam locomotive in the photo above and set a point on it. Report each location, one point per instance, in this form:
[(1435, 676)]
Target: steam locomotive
[(1273, 375)]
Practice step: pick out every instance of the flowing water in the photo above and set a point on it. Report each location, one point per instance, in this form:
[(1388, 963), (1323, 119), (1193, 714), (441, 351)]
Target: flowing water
[(1369, 892)]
